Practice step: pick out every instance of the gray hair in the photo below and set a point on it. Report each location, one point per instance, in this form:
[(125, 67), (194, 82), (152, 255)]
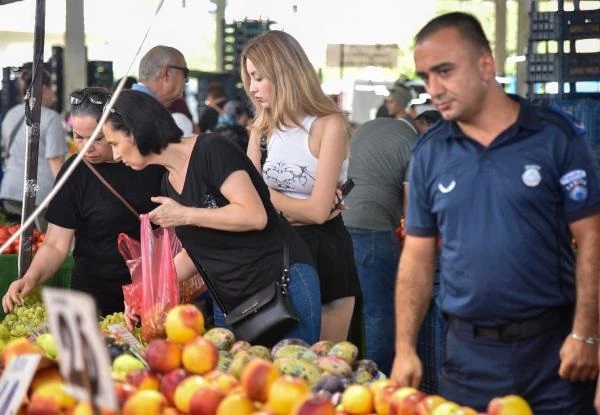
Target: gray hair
[(156, 58)]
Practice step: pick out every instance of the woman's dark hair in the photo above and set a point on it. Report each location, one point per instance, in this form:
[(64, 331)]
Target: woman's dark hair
[(466, 24), (27, 78), (89, 101), (146, 120)]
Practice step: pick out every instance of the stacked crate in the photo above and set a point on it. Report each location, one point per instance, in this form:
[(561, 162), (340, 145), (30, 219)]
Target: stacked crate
[(552, 57)]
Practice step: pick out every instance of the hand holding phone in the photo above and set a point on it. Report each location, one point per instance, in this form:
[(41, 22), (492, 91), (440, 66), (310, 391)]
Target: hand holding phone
[(345, 189)]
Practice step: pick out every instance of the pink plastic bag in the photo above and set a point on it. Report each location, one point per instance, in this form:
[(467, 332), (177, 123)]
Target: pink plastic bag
[(154, 289)]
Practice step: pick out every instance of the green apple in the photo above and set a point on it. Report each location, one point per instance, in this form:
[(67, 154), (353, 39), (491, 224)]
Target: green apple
[(48, 344), (124, 364), (4, 333)]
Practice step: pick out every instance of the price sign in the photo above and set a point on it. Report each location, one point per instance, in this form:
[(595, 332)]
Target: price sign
[(15, 381), (84, 360)]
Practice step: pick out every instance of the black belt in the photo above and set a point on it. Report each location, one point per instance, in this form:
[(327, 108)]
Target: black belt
[(518, 330)]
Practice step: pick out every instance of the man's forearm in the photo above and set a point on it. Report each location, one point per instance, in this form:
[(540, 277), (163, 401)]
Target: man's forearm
[(586, 321), (413, 294)]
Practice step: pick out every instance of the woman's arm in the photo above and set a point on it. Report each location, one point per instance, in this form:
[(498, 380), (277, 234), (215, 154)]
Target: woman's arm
[(245, 211), (329, 142), (254, 153)]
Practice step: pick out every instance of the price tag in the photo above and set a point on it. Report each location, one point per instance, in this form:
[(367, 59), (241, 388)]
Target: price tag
[(15, 381), (135, 347), (84, 360)]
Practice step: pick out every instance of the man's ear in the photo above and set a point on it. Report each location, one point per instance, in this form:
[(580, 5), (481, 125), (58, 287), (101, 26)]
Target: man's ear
[(487, 66), (164, 72)]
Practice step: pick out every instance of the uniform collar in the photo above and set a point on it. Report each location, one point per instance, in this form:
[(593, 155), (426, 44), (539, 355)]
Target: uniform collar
[(526, 120)]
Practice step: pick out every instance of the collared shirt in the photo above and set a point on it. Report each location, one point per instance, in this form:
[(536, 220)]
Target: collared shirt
[(503, 212)]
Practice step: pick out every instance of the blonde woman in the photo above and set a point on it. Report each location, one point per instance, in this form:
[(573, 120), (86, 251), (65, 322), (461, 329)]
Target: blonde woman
[(303, 160)]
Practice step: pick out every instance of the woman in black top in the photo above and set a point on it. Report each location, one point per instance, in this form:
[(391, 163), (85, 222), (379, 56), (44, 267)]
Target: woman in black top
[(86, 210), (220, 208)]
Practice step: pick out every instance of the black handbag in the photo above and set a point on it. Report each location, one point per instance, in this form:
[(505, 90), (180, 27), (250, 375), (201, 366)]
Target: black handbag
[(264, 317)]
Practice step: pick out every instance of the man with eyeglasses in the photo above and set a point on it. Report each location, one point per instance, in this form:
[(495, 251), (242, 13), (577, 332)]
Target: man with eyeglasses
[(163, 74)]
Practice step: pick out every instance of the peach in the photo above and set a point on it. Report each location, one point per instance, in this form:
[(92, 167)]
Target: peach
[(143, 379), (145, 402), (56, 392), (172, 411), (169, 382), (123, 391), (85, 408), (381, 383), (163, 355), (465, 410), (206, 401), (405, 404), (18, 346), (357, 400), (257, 378), (183, 323), (199, 356), (428, 404), (319, 404), (381, 398), (43, 406), (186, 389), (236, 403), (446, 408), (285, 393), (222, 380), (510, 404), (44, 376)]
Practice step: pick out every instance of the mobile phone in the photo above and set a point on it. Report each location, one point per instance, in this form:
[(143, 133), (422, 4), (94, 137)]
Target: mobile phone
[(345, 188)]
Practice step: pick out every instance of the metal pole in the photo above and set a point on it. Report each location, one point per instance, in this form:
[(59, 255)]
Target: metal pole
[(33, 103)]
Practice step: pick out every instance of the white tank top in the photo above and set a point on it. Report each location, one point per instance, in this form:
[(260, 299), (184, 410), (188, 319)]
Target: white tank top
[(290, 166)]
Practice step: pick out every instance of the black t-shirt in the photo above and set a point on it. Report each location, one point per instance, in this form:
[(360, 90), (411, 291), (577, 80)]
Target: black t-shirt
[(237, 263), (97, 216), (208, 119)]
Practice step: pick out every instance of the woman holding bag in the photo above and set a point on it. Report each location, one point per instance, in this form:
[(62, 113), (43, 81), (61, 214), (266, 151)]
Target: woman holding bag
[(221, 211), (85, 210)]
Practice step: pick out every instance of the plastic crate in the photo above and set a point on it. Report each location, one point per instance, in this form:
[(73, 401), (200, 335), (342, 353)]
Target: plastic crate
[(568, 67), (543, 26), (581, 24), (587, 111)]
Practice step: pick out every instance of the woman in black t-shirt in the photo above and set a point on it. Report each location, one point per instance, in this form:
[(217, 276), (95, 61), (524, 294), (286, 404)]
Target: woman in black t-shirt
[(220, 208), (85, 210)]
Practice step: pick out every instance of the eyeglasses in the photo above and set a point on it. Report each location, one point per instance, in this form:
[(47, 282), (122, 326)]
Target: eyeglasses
[(78, 97), (186, 71), (112, 110)]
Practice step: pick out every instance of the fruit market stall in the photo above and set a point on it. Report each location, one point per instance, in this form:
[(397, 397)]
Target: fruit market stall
[(191, 370)]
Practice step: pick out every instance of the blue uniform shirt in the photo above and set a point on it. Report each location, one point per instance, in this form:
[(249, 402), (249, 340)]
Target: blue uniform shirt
[(502, 213)]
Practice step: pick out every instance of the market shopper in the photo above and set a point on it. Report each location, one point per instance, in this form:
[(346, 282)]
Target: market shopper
[(51, 151), (84, 210), (306, 141), (505, 185), (220, 208), (379, 157)]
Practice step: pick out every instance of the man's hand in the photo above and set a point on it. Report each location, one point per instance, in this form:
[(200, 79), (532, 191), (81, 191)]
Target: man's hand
[(407, 369), (168, 214), (579, 360)]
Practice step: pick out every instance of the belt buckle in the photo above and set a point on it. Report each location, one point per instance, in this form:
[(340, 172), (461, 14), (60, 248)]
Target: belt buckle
[(510, 332)]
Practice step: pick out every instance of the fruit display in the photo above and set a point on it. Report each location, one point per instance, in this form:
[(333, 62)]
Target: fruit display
[(198, 372), (24, 319)]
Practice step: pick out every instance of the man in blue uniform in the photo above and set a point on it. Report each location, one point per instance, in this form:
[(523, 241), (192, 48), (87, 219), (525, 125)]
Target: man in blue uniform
[(506, 186)]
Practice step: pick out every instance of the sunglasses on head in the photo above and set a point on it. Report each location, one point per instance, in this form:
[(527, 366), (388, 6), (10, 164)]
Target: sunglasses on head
[(77, 98)]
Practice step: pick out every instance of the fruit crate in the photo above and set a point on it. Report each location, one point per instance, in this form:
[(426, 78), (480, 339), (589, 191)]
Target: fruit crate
[(564, 25), (571, 67), (8, 273)]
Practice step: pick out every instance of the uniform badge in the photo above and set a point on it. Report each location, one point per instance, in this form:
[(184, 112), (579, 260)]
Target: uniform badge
[(575, 184), (531, 176)]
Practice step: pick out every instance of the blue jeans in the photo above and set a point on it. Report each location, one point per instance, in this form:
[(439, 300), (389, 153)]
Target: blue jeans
[(306, 298), (376, 256)]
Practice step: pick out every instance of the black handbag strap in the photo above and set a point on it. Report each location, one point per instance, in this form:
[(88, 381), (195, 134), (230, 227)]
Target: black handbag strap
[(112, 189), (13, 134), (263, 150)]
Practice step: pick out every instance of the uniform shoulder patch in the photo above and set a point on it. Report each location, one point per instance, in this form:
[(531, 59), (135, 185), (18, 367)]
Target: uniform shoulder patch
[(553, 113)]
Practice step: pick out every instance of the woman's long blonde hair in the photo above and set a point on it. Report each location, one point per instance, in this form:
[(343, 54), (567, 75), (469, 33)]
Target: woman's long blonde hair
[(279, 58)]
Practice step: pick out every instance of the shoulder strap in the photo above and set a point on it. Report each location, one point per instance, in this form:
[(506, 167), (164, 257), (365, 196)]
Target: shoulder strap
[(13, 134), (263, 150), (112, 189)]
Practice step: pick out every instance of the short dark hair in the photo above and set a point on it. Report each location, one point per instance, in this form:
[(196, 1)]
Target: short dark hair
[(146, 120), (216, 90), (27, 78), (429, 117), (466, 24), (87, 107)]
